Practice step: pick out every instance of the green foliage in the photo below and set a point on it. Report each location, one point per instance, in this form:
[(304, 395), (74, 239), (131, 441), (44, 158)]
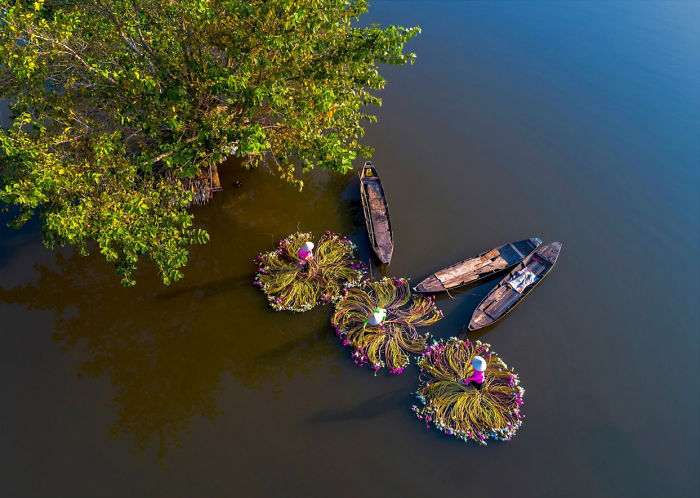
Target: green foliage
[(389, 343), (462, 410), (121, 107), (298, 284)]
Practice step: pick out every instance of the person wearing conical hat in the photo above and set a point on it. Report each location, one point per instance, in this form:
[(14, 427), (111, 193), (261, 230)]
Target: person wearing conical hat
[(377, 317), (306, 251), (477, 378)]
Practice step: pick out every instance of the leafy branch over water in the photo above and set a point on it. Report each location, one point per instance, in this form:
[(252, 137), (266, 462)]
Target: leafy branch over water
[(124, 109)]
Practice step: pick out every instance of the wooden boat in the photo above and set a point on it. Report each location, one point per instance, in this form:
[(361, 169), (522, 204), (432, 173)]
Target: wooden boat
[(376, 211), (515, 286), (482, 266)]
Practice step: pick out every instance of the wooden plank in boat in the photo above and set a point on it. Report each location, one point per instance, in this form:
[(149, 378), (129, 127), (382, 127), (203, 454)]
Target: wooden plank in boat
[(536, 267), (548, 253), (494, 296), (470, 271), (502, 299), (380, 219), (430, 284), (522, 256), (480, 319), (481, 266), (505, 301), (509, 254), (376, 213), (490, 255)]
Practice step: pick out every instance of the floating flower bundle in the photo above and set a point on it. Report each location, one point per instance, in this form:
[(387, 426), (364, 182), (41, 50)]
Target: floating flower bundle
[(298, 275), (465, 411), (379, 321)]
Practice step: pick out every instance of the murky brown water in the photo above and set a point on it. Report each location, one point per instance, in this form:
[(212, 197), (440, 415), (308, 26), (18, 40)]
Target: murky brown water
[(577, 122)]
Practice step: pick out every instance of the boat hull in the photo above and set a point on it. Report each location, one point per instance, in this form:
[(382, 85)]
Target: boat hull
[(504, 298), (376, 212), (477, 268)]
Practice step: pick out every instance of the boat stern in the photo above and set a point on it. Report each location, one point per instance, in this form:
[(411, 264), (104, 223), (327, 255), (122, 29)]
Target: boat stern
[(429, 285), (384, 254), (368, 171), (480, 320)]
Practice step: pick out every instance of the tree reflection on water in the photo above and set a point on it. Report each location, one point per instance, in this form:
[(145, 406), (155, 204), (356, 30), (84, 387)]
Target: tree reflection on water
[(166, 350)]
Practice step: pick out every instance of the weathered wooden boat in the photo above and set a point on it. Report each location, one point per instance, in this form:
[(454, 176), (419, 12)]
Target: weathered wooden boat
[(484, 265), (376, 211), (515, 286)]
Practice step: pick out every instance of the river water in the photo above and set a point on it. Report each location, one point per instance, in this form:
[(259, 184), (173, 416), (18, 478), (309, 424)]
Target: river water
[(574, 121)]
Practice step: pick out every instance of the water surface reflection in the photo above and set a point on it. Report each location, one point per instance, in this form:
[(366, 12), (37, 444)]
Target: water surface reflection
[(165, 349), (574, 121)]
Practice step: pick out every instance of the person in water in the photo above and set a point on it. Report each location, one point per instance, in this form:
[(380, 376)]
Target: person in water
[(306, 251), (477, 378)]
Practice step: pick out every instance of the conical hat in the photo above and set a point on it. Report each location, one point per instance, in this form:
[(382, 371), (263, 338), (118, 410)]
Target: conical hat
[(479, 363)]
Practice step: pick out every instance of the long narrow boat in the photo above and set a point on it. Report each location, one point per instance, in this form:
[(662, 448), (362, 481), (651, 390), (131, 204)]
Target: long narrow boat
[(515, 286), (376, 211), (482, 266)]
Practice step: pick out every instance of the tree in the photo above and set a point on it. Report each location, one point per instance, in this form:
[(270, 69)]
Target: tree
[(123, 107)]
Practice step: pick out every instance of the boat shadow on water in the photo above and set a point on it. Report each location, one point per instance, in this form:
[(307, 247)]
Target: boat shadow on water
[(459, 304), (477, 299)]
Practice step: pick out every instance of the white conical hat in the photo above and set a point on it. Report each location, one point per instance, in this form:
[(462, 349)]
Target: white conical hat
[(307, 246), (479, 363), (377, 317)]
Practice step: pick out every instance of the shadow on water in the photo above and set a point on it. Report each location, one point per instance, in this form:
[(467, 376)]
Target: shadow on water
[(370, 408), (573, 120), (166, 350), (459, 304), (293, 345), (207, 289)]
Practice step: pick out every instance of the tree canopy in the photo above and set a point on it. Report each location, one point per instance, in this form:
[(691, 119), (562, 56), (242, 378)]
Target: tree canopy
[(122, 108)]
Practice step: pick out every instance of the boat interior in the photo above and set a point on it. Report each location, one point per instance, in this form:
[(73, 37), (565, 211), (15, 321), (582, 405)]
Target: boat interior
[(504, 297), (376, 214), (370, 173)]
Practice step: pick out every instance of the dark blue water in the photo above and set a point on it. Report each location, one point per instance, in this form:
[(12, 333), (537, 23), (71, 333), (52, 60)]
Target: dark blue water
[(574, 121)]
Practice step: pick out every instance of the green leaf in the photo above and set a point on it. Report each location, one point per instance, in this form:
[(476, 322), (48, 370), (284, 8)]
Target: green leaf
[(118, 115)]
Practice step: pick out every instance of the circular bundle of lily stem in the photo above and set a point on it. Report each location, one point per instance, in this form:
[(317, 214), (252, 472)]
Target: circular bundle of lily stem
[(390, 343), (461, 410), (294, 283)]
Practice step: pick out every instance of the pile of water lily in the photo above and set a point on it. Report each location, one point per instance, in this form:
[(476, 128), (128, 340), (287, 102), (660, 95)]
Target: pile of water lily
[(459, 407), (299, 274), (379, 322), (466, 390)]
